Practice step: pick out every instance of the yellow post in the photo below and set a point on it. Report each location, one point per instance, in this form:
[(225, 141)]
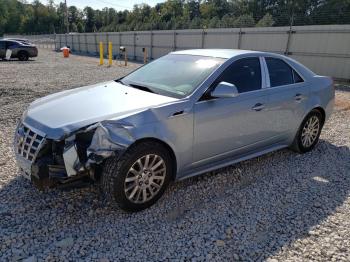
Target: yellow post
[(101, 53), (110, 49), (125, 58)]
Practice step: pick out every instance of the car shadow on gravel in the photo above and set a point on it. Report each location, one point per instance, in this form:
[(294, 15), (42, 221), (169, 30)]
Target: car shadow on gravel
[(15, 61), (249, 211)]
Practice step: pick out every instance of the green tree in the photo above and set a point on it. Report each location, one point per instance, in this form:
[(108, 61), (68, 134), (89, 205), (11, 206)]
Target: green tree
[(227, 20), (20, 16), (89, 20), (73, 27), (266, 21), (3, 17), (80, 27), (244, 21)]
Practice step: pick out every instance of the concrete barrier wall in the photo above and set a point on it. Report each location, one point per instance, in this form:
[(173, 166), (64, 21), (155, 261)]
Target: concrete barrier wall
[(325, 49)]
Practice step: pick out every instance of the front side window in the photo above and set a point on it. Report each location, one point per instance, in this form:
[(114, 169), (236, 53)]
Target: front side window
[(173, 75), (2, 44), (245, 74), (281, 73)]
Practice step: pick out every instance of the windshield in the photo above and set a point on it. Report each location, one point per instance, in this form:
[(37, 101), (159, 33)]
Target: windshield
[(173, 75)]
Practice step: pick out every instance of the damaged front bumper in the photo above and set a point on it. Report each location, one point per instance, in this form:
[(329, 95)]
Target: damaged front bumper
[(48, 163)]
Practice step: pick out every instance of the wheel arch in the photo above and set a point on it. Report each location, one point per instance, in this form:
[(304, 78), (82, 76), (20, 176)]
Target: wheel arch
[(309, 109), (165, 145), (322, 111)]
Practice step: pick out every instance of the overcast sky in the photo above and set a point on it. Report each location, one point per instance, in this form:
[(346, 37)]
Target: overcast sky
[(99, 4)]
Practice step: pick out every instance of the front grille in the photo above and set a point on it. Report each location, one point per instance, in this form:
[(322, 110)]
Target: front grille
[(28, 143)]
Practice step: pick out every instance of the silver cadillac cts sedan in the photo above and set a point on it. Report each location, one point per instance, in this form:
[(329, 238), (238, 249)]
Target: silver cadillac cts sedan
[(181, 115)]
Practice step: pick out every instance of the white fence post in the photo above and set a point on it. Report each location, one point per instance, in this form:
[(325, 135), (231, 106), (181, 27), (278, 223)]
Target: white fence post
[(151, 45)]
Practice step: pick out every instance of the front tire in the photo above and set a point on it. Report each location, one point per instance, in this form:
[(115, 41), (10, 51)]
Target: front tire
[(138, 178), (309, 132)]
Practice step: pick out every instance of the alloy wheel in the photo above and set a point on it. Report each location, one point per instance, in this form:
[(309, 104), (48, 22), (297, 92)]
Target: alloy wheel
[(310, 131), (145, 178)]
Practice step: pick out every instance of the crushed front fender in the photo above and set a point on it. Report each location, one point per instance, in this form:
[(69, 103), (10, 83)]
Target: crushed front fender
[(110, 138)]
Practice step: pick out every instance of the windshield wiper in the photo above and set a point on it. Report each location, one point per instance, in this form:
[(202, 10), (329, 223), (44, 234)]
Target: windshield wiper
[(137, 86), (120, 81), (143, 88)]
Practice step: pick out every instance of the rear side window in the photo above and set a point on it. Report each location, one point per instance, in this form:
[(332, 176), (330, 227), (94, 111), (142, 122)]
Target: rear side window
[(2, 44), (11, 44), (297, 77), (281, 73), (245, 74)]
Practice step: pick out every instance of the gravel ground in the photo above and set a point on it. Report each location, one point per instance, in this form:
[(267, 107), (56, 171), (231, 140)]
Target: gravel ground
[(279, 207)]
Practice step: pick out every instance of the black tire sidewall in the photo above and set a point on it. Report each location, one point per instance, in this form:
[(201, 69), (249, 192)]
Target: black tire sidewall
[(302, 148), (119, 178), (23, 56)]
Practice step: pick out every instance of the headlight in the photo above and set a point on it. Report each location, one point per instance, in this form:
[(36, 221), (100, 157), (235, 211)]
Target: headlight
[(24, 115)]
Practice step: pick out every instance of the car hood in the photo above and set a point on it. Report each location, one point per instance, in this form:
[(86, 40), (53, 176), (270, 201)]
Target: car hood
[(60, 114)]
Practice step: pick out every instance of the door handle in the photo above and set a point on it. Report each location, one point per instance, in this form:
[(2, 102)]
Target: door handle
[(298, 97), (258, 107)]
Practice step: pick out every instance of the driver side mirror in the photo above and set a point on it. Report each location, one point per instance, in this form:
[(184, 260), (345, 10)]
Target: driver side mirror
[(225, 90)]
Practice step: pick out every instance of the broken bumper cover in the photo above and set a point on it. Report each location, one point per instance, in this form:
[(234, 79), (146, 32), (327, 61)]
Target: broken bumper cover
[(43, 172), (40, 167), (109, 139), (25, 166)]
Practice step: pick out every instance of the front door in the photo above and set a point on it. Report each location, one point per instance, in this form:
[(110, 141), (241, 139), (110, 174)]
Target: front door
[(225, 126)]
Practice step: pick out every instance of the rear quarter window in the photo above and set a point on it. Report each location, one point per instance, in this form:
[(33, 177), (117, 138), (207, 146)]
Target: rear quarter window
[(11, 44), (281, 73)]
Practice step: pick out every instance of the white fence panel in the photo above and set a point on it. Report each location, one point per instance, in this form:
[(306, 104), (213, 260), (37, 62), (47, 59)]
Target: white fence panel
[(222, 38)]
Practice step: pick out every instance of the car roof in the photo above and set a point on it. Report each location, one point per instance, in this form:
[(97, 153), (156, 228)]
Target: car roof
[(221, 53), (230, 53), (16, 39), (7, 39)]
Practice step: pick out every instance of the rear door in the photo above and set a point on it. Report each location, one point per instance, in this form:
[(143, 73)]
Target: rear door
[(288, 95)]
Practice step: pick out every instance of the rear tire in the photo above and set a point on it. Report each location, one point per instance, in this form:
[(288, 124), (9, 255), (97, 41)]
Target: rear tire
[(23, 56), (309, 132), (138, 178)]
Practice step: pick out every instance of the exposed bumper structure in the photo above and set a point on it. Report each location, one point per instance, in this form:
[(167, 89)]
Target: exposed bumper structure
[(37, 162), (40, 161)]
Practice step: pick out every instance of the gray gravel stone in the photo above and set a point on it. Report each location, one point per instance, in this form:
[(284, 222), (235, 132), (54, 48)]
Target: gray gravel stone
[(30, 259), (281, 206), (66, 242)]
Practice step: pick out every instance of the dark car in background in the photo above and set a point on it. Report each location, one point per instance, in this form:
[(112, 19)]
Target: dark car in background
[(21, 40), (22, 50)]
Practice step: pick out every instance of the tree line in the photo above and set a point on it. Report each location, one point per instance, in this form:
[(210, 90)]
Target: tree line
[(35, 17)]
